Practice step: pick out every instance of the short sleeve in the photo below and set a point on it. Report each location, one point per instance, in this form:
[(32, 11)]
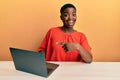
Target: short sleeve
[(44, 43), (84, 43)]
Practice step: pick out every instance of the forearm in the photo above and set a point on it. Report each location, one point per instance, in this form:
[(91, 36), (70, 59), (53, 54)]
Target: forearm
[(86, 56)]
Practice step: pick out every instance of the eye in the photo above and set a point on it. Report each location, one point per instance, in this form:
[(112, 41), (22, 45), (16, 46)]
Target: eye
[(65, 15), (74, 14)]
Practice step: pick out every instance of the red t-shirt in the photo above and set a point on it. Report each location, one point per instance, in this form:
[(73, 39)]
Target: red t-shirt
[(55, 52)]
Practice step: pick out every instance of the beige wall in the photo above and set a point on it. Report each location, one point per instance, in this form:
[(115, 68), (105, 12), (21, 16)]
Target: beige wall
[(23, 24)]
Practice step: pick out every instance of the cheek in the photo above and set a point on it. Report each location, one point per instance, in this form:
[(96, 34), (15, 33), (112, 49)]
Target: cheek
[(64, 19), (75, 18)]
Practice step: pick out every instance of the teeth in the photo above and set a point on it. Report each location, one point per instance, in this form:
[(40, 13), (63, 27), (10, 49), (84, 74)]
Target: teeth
[(70, 21)]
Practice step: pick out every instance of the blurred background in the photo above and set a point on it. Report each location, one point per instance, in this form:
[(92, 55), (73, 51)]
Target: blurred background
[(24, 23)]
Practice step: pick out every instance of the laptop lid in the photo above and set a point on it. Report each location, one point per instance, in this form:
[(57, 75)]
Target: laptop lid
[(31, 62)]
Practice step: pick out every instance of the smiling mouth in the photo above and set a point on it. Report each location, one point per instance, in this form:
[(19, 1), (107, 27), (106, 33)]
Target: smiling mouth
[(70, 22)]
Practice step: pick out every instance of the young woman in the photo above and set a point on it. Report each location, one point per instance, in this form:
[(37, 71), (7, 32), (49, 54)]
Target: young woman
[(63, 43)]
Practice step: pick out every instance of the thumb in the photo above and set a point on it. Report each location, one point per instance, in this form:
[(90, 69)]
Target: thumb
[(60, 43)]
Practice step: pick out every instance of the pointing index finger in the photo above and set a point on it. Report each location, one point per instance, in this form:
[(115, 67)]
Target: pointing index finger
[(60, 43)]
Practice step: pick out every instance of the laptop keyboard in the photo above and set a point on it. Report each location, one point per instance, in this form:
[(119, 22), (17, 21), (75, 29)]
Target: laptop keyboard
[(51, 67)]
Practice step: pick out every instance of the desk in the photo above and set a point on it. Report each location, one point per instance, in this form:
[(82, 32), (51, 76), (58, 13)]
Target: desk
[(66, 71)]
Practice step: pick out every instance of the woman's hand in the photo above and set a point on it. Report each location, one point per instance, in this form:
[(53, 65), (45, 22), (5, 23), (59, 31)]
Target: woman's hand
[(69, 46)]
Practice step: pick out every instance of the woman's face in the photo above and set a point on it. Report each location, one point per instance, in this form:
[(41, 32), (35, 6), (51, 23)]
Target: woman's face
[(69, 17)]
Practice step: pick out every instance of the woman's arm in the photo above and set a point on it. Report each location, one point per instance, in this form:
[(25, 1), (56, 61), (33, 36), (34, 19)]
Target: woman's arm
[(86, 56), (70, 46)]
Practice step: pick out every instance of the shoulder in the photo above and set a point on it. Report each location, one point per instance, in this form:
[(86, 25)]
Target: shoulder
[(53, 29), (80, 34)]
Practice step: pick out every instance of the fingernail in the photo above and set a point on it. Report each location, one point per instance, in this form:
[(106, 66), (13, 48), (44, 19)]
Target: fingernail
[(57, 42)]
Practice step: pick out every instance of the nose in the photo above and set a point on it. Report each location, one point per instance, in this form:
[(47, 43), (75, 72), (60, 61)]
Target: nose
[(70, 17)]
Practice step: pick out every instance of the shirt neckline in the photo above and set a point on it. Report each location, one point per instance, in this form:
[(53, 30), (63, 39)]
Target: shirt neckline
[(67, 33)]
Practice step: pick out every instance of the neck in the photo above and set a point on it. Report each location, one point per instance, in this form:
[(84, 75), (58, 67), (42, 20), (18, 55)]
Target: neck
[(67, 29)]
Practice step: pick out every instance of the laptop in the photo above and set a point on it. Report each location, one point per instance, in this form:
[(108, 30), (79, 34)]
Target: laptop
[(32, 62)]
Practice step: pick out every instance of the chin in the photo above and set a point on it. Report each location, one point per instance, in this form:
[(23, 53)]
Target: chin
[(70, 26)]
